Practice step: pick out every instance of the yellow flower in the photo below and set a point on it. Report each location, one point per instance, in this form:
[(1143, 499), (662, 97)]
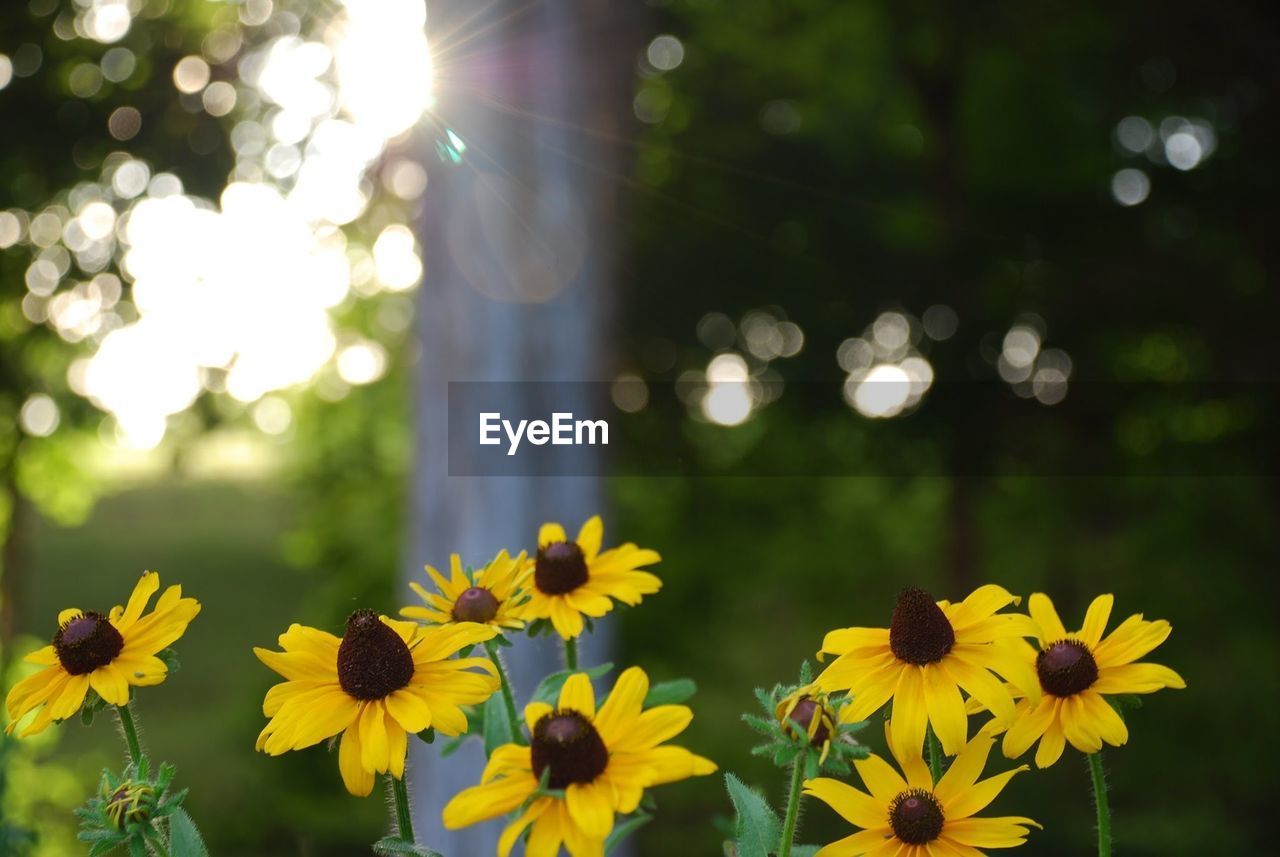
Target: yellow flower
[(107, 653), (912, 817), (930, 652), (493, 598), (1077, 670), (806, 711), (601, 760), (572, 579), (383, 680)]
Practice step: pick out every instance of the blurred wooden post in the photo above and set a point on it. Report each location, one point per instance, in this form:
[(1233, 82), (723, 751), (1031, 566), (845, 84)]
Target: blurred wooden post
[(516, 245)]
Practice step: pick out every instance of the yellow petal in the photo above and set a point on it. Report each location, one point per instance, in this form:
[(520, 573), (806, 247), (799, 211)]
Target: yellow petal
[(480, 803), (511, 833), (1095, 620), (566, 620), (1041, 609), (652, 727), (864, 842), (535, 711), (590, 537), (856, 807), (111, 684), (578, 695), (1106, 721), (946, 709), (623, 706), (591, 808), (45, 657), (549, 534), (374, 750), (1136, 678), (964, 770), (910, 716), (355, 777), (1029, 724), (978, 796), (148, 585), (880, 778), (409, 709), (1052, 742), (1005, 832)]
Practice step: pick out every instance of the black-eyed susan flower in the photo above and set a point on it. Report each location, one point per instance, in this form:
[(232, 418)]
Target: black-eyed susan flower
[(910, 816), (492, 596), (109, 653), (380, 682), (592, 763), (929, 653), (572, 579), (1077, 670)]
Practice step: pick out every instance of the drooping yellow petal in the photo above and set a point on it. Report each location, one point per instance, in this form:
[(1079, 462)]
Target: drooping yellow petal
[(1106, 722), (355, 777), (374, 750), (566, 620), (111, 684), (946, 708), (409, 709), (590, 807), (1029, 725), (512, 832), (490, 800), (910, 714), (1052, 742)]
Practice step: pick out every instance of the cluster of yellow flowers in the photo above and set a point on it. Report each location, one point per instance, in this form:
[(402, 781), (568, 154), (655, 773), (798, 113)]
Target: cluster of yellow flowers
[(578, 765), (385, 679), (937, 665)]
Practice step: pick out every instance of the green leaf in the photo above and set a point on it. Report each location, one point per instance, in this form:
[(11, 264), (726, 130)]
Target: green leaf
[(497, 725), (548, 689), (670, 692), (184, 838), (757, 827), (625, 829)]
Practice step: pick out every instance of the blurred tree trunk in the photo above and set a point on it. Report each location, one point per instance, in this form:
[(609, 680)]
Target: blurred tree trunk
[(517, 244)]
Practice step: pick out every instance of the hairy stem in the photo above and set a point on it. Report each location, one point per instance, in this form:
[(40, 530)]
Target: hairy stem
[(1100, 803), (130, 730), (156, 842), (793, 806), (507, 696), (404, 815)]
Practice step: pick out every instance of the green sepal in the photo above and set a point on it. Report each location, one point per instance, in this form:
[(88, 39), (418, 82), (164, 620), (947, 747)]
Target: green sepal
[(428, 735), (170, 658)]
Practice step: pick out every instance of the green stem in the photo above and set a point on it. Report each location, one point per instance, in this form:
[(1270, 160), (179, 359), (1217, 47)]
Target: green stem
[(935, 754), (507, 696), (404, 816), (130, 730), (156, 842), (1100, 802), (793, 806), (571, 653)]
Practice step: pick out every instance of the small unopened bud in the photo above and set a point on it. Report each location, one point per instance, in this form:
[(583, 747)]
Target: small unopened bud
[(131, 803)]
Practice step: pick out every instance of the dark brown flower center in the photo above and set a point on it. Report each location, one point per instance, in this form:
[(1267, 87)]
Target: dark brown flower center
[(1066, 668), (803, 715), (565, 743), (920, 632), (559, 568), (475, 605), (86, 643), (373, 662), (916, 817)]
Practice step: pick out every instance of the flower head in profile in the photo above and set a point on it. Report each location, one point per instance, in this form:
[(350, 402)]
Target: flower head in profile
[(492, 596), (1077, 670), (109, 654), (583, 765), (572, 579), (907, 815), (377, 684), (930, 653)]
